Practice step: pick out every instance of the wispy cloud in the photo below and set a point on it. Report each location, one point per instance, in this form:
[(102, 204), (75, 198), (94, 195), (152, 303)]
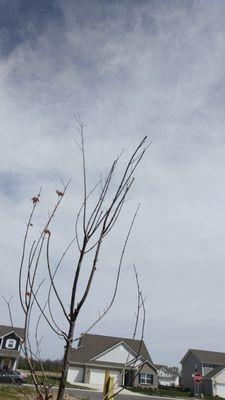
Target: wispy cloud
[(130, 69)]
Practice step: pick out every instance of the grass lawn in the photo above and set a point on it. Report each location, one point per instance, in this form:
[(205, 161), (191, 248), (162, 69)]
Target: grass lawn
[(53, 379), (162, 392), (13, 392), (170, 393)]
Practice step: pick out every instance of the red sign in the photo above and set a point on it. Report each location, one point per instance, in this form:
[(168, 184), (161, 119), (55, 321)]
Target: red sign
[(197, 377)]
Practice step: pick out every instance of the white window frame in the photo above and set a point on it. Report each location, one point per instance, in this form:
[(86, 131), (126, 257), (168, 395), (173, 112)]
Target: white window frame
[(146, 379), (10, 344)]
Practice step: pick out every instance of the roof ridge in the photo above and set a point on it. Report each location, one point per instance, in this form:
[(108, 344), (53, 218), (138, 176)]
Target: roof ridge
[(113, 337), (11, 327), (208, 351)]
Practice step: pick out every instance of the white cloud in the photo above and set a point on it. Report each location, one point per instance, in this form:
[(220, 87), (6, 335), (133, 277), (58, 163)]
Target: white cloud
[(156, 69)]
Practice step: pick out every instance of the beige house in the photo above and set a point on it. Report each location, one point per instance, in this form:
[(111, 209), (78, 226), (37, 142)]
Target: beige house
[(127, 360)]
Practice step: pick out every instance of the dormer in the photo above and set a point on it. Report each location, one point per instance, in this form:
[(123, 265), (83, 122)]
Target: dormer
[(11, 341), (11, 338)]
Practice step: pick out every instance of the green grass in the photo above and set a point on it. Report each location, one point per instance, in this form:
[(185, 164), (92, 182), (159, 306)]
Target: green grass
[(170, 393), (12, 392), (53, 379), (162, 392), (7, 392)]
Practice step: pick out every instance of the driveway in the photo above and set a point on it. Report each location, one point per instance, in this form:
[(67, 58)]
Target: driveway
[(90, 394), (97, 395), (123, 395)]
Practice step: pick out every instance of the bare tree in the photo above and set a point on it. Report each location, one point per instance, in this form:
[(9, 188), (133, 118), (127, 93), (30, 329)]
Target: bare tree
[(93, 224)]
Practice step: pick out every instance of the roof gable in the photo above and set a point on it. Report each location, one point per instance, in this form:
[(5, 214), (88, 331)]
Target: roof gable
[(205, 356), (165, 369), (6, 330), (91, 346), (150, 365), (120, 353), (216, 371), (137, 362)]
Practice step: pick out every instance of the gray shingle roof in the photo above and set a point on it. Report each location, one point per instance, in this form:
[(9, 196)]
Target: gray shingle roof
[(214, 372), (93, 345), (4, 330), (213, 357), (165, 367)]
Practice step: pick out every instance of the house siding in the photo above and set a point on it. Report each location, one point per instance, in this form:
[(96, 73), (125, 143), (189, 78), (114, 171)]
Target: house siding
[(220, 378), (120, 354), (96, 353), (208, 387), (189, 365), (9, 356), (212, 386), (146, 369), (11, 336)]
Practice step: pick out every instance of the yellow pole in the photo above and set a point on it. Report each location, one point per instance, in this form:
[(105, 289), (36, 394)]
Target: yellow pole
[(108, 387), (111, 388)]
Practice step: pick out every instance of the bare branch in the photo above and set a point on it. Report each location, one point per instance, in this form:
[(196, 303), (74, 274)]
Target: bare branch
[(8, 303), (93, 223)]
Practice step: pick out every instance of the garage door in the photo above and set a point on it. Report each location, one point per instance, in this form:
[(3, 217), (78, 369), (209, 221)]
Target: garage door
[(75, 374), (220, 390), (97, 376)]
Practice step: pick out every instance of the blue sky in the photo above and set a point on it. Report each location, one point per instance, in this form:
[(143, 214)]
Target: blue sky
[(23, 20), (130, 68)]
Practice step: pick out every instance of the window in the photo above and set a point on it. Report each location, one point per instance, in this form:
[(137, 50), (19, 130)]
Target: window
[(10, 344), (206, 365), (146, 379)]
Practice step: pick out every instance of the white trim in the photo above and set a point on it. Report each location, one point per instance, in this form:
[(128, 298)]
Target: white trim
[(111, 365), (15, 364), (10, 334), (218, 373), (185, 356), (10, 342), (140, 358), (106, 365), (151, 365), (144, 376)]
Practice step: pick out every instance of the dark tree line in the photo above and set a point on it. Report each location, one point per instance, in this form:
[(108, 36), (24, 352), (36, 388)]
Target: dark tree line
[(48, 365)]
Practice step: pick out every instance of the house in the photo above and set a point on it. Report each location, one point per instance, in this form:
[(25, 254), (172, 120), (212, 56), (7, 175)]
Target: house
[(127, 360), (214, 382), (210, 364), (11, 339), (167, 376)]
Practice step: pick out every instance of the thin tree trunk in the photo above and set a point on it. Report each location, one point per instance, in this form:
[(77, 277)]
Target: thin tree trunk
[(95, 223), (65, 366)]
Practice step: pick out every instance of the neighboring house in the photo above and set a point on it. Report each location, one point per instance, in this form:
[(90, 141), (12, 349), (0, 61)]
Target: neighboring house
[(167, 376), (127, 360), (210, 364), (214, 382), (11, 339)]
